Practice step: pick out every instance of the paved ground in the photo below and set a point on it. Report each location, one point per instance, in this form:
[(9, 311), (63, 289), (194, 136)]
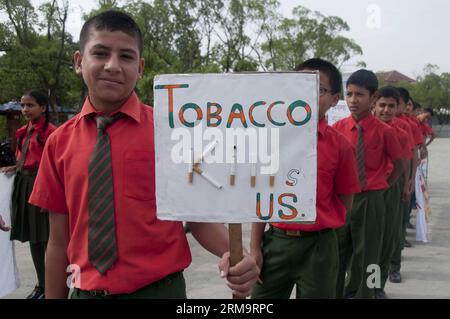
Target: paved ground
[(425, 270)]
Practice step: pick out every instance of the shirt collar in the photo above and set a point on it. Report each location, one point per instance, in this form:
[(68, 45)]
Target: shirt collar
[(39, 124), (322, 126), (130, 108), (365, 122)]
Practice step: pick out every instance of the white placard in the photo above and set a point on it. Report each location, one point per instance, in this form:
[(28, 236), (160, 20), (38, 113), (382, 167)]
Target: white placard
[(338, 112), (261, 128), (9, 277)]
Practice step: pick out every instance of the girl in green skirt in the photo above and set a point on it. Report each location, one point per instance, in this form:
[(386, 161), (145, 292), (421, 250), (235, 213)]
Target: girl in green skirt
[(28, 223)]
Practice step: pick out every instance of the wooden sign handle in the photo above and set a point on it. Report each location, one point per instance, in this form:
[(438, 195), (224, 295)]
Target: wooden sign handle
[(236, 254)]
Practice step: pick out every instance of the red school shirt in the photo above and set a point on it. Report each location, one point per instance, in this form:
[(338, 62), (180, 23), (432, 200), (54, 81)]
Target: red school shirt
[(415, 127), (426, 130), (403, 139), (381, 146), (336, 175), (396, 122), (147, 249), (36, 144)]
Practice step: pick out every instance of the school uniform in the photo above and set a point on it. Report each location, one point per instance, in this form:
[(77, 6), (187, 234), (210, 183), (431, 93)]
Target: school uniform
[(28, 223), (395, 263), (394, 215), (149, 253), (426, 130), (306, 255), (360, 240), (415, 127)]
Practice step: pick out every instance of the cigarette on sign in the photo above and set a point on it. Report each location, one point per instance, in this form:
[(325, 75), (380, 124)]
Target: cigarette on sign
[(253, 181), (207, 150), (233, 167), (207, 177), (191, 167), (272, 180), (253, 169)]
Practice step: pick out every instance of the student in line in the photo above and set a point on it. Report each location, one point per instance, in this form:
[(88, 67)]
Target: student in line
[(306, 256), (28, 224), (361, 238)]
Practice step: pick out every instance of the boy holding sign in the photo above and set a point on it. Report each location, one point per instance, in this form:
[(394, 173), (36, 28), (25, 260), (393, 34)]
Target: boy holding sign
[(306, 255), (376, 145), (97, 180)]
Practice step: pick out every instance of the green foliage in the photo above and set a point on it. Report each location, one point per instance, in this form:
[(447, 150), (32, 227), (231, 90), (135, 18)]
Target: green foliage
[(309, 34), (431, 89), (180, 36)]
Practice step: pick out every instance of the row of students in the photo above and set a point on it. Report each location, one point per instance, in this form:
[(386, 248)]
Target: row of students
[(364, 183), (379, 166)]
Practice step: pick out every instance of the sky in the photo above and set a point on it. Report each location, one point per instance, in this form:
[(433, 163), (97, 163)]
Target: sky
[(402, 35)]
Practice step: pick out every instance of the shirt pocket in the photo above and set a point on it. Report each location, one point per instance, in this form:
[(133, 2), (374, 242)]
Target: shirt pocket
[(373, 156), (139, 176)]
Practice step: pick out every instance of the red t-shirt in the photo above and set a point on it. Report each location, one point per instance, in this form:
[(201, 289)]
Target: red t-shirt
[(336, 175), (148, 249), (380, 147), (36, 144)]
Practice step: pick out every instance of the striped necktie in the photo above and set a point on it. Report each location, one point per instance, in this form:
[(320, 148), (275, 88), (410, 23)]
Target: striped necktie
[(102, 250), (21, 160), (360, 157)]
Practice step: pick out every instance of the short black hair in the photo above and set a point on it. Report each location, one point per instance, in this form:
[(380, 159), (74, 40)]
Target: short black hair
[(429, 110), (404, 94), (388, 91), (326, 67), (364, 78), (416, 105), (111, 20)]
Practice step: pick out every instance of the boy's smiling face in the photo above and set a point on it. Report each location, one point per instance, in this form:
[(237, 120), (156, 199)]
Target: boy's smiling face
[(385, 108), (110, 65)]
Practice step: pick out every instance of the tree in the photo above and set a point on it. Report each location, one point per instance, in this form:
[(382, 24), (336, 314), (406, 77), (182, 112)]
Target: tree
[(309, 34), (33, 60), (180, 36)]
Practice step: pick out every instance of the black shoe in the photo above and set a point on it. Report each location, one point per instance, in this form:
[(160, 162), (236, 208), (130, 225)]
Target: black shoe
[(380, 294), (407, 244), (350, 295), (410, 226), (395, 277), (37, 293)]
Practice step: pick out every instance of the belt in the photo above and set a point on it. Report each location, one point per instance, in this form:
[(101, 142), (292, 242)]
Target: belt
[(297, 233), (94, 293), (106, 293), (28, 172)]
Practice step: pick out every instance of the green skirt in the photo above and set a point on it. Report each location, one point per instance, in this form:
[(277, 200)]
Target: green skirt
[(27, 221)]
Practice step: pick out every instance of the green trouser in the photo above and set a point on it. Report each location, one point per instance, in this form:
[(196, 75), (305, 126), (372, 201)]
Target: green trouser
[(397, 255), (310, 262), (171, 287), (360, 242), (392, 224)]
